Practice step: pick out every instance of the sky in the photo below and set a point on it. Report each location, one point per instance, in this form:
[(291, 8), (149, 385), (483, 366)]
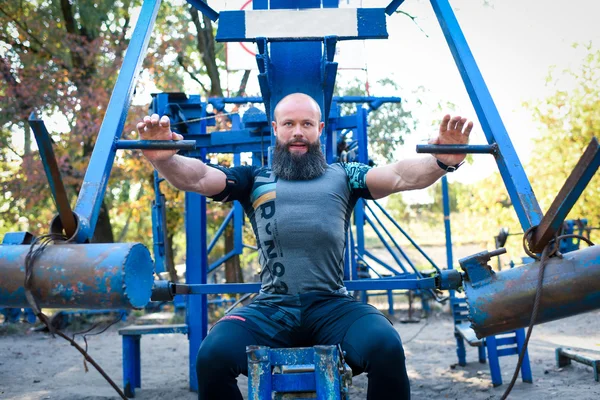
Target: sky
[(515, 44)]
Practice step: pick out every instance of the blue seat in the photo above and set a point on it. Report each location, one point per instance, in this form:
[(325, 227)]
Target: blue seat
[(298, 373), (504, 344), (132, 368)]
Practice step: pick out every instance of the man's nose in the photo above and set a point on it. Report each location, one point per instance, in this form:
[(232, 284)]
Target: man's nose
[(298, 131)]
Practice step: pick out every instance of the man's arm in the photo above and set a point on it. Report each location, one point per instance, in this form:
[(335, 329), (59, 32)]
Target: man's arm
[(419, 173), (184, 173)]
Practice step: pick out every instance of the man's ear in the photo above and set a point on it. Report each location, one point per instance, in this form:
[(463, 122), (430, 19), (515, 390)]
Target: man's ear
[(274, 125), (321, 126)]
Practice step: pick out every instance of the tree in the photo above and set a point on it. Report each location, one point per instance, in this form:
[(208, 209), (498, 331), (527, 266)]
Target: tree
[(569, 120), (388, 125)]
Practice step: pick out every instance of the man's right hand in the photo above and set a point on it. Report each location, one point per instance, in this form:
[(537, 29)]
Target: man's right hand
[(153, 128)]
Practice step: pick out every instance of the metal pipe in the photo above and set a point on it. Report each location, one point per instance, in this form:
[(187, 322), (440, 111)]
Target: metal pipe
[(59, 193), (500, 302), (90, 276), (416, 246), (457, 148), (155, 144)]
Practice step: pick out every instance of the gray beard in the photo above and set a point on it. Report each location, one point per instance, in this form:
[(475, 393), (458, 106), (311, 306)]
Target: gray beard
[(298, 167)]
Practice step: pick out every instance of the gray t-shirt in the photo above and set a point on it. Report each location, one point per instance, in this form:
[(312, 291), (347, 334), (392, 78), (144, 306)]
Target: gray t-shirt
[(300, 226)]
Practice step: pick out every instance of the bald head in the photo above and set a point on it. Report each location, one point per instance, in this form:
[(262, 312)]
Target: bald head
[(297, 101)]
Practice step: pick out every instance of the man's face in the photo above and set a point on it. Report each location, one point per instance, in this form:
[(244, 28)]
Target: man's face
[(297, 127), (297, 124)]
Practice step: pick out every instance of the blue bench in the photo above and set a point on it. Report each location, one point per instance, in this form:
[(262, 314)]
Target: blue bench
[(299, 373), (132, 371), (565, 355), (504, 344)]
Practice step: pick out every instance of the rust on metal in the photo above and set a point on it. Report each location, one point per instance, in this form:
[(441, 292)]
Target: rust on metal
[(60, 194), (574, 185), (74, 276)]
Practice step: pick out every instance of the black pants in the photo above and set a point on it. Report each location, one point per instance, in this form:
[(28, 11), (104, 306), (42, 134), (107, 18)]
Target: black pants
[(371, 344)]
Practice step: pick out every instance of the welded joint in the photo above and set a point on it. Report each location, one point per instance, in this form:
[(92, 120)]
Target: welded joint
[(476, 267)]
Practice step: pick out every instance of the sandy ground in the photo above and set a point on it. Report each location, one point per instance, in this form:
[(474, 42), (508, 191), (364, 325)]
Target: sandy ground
[(34, 366)]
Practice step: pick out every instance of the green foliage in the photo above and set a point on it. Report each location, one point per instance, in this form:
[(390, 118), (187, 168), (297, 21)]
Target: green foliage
[(388, 125), (570, 119)]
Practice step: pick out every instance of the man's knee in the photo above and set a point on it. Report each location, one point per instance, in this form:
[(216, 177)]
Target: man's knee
[(382, 348), (221, 353)]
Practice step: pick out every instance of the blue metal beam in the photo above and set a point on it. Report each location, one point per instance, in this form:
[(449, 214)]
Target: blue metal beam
[(196, 273), (361, 284), (248, 25), (98, 171), (519, 188), (393, 6), (155, 145), (576, 183), (59, 194), (204, 9), (458, 149)]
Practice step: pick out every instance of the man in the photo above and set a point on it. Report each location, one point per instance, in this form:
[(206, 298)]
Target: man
[(300, 210)]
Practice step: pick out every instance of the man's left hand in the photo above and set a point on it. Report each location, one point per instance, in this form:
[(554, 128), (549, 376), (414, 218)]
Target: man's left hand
[(453, 131)]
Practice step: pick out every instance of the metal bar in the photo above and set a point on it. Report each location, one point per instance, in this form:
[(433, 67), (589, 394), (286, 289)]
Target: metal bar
[(219, 232), (44, 142), (393, 6), (155, 145), (204, 9), (567, 196), (221, 260), (259, 373), (458, 148), (196, 273), (98, 171), (302, 25), (385, 244), (360, 284), (90, 276), (238, 210), (327, 375), (448, 233), (368, 266), (433, 264), (447, 228), (158, 226), (511, 169), (571, 286), (393, 242), (380, 262)]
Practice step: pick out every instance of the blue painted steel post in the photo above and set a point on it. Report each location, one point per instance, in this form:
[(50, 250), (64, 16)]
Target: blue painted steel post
[(363, 157), (327, 377), (461, 352), (492, 348), (131, 377), (519, 188), (158, 226), (525, 366), (447, 229), (96, 177), (238, 211), (196, 271), (259, 373)]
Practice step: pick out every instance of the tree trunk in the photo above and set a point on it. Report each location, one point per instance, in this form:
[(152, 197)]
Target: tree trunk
[(206, 48), (170, 258), (233, 270), (103, 232)]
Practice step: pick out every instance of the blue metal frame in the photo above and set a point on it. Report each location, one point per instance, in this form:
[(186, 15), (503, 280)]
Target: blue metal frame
[(519, 188), (95, 181)]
